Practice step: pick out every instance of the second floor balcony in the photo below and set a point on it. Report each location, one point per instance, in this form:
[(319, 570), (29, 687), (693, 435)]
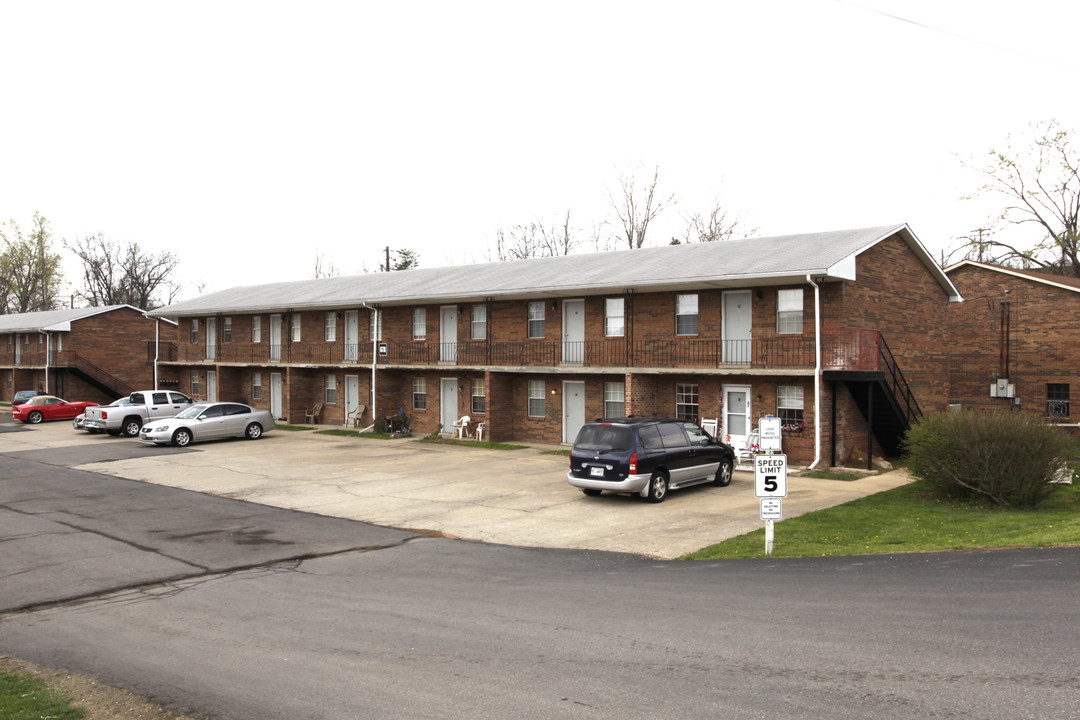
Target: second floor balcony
[(851, 349)]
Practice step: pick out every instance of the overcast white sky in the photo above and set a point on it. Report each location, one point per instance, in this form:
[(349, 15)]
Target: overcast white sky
[(248, 136)]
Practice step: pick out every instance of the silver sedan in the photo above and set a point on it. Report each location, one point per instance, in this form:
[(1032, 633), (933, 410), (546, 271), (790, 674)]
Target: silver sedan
[(209, 421)]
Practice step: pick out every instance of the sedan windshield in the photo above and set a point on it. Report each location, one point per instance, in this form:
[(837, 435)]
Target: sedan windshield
[(191, 412)]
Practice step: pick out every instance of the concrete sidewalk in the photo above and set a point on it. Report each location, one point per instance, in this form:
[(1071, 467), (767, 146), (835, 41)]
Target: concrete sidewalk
[(514, 497)]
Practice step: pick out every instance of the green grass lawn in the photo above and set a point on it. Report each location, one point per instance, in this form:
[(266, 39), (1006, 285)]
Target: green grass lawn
[(25, 697), (911, 518)]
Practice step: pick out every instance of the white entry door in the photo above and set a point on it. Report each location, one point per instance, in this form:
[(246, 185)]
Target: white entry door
[(275, 395), (573, 409), (352, 335), (211, 386), (211, 340), (573, 332), (275, 339), (737, 321), (448, 403), (352, 395), (737, 419), (448, 334)]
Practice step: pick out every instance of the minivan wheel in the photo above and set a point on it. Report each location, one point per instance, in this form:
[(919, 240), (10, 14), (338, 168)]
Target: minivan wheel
[(723, 474), (658, 486), (591, 492)]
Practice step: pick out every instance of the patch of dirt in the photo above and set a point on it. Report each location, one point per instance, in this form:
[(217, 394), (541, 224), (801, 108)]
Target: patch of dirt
[(101, 702)]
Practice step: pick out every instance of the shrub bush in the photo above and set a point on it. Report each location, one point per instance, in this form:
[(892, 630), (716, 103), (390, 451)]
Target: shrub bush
[(1010, 457)]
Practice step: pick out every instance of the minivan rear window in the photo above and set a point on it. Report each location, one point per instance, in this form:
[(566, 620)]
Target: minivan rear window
[(607, 438)]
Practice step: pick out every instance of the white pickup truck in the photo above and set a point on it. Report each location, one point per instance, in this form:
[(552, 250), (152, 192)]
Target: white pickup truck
[(130, 414)]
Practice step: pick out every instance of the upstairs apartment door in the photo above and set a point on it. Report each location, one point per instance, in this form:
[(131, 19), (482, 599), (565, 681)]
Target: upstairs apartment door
[(275, 338), (211, 339), (737, 322), (448, 334), (352, 335), (573, 332)]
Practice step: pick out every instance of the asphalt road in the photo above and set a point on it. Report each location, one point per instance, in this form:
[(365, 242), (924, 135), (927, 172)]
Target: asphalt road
[(227, 609)]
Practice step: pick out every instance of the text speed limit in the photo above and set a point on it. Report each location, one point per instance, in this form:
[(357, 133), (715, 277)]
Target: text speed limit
[(770, 476)]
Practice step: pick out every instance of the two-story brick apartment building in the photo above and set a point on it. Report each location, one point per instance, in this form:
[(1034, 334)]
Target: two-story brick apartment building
[(95, 353), (1016, 341), (820, 329)]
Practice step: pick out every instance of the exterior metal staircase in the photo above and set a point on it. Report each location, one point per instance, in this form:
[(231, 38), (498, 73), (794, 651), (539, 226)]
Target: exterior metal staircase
[(880, 390)]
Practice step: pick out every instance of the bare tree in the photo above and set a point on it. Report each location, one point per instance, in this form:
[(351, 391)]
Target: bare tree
[(1040, 181), (115, 274), (30, 273), (636, 207), (719, 224), (324, 267), (536, 239)]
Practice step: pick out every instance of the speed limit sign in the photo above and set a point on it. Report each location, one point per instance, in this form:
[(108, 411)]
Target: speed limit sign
[(770, 476)]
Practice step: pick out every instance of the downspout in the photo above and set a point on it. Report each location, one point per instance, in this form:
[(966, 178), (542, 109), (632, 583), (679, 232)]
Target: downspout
[(817, 372), (157, 350), (374, 358), (48, 356)]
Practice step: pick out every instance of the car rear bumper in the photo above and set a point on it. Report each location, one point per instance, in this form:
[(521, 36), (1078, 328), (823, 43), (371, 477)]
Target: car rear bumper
[(632, 483)]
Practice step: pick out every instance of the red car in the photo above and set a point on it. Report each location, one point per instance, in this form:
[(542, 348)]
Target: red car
[(48, 407)]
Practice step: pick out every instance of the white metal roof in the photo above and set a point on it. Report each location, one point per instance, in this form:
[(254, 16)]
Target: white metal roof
[(52, 320), (732, 263)]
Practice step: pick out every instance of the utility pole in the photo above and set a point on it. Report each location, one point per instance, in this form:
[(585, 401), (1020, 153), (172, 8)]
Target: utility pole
[(387, 265)]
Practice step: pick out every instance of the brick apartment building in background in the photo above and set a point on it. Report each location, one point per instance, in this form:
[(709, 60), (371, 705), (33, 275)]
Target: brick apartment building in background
[(1016, 341), (843, 335), (96, 354)]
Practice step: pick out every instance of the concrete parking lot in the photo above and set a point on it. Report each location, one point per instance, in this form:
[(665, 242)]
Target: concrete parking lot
[(514, 497)]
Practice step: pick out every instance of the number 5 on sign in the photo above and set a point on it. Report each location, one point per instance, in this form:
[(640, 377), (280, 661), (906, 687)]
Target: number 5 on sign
[(770, 476)]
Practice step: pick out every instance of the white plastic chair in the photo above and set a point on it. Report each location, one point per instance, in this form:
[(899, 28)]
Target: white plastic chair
[(745, 454), (461, 427), (710, 425)]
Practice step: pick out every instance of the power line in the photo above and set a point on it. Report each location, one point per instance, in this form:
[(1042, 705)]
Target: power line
[(959, 36)]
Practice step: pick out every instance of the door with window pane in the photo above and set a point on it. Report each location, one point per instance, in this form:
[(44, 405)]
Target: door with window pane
[(737, 420)]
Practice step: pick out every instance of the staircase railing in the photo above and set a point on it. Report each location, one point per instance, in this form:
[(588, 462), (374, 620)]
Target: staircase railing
[(102, 378), (898, 385)]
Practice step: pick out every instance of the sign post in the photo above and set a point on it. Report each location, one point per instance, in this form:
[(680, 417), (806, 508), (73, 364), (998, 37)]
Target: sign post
[(770, 484)]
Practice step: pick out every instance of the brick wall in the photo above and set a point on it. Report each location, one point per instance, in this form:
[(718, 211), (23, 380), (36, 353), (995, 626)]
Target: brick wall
[(1017, 329)]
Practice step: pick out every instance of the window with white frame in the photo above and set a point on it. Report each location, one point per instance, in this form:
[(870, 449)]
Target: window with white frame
[(419, 393), (479, 322), (536, 399), (256, 329), (194, 330), (330, 327), (686, 314), (789, 407), (256, 385), (331, 389), (614, 399), (226, 329), (614, 321), (194, 382), (789, 311), (536, 319), (294, 325), (479, 396), (686, 402), (419, 323)]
